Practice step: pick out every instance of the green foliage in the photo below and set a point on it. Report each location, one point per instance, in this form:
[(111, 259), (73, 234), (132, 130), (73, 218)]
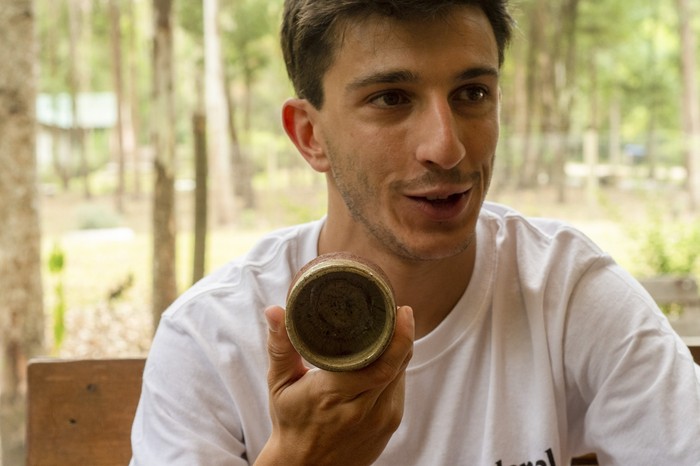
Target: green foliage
[(245, 28), (190, 16), (59, 314), (56, 266), (667, 247), (56, 260)]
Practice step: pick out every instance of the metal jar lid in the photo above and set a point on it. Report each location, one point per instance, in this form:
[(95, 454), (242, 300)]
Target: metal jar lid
[(341, 312)]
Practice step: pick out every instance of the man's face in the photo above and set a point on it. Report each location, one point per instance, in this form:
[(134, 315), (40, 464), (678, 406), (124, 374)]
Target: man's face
[(409, 126)]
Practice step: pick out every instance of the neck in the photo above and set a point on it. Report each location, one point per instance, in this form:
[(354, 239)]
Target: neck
[(432, 288)]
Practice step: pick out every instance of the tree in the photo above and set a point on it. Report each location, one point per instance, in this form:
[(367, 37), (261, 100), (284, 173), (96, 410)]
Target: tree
[(250, 22), (133, 118), (49, 20), (217, 117), (531, 101), (164, 231), (691, 102), (116, 39), (21, 309), (549, 90), (78, 27), (199, 131), (562, 78)]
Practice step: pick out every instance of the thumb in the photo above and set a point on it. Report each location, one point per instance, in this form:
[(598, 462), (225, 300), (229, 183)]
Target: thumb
[(286, 365)]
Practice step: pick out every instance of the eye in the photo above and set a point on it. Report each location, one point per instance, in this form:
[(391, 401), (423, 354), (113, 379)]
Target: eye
[(473, 94), (389, 99)]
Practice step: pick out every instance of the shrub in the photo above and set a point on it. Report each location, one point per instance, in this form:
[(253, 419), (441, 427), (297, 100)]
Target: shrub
[(95, 217)]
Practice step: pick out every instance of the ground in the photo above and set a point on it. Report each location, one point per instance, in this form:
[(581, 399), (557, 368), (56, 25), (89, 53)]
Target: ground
[(106, 278)]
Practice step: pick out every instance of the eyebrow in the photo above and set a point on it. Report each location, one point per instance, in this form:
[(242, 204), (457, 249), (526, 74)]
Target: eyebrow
[(477, 72), (382, 77), (406, 76)]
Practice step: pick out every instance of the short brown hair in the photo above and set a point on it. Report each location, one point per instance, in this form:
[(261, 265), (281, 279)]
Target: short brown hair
[(308, 27)]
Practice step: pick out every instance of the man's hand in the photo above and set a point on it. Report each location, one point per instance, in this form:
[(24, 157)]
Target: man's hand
[(334, 418)]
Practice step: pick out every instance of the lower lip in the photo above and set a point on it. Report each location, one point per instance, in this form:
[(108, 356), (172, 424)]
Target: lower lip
[(442, 210)]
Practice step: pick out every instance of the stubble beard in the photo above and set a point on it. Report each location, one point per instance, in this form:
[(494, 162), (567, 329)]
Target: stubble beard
[(357, 201)]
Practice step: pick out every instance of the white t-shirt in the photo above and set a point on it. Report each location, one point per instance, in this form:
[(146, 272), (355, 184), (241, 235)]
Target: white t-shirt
[(553, 351)]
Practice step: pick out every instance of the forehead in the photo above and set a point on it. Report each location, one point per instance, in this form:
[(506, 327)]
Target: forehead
[(460, 36)]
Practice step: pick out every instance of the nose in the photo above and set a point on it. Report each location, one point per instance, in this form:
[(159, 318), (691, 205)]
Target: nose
[(439, 141)]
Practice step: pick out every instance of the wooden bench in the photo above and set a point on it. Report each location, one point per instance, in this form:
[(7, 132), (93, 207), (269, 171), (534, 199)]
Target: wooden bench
[(80, 412)]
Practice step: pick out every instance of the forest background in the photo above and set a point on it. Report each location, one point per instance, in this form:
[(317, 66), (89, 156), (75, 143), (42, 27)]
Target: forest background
[(140, 148)]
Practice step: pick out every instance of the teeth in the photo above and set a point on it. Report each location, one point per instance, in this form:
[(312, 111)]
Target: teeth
[(437, 198)]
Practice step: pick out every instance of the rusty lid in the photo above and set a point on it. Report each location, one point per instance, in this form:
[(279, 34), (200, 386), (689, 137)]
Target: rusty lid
[(341, 312)]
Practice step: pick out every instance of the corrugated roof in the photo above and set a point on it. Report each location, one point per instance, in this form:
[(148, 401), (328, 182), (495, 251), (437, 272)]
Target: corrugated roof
[(95, 110)]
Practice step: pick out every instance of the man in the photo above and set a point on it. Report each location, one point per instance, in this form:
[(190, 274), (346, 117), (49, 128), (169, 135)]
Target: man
[(523, 342)]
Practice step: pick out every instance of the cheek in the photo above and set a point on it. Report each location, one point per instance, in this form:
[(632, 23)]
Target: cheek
[(368, 154), (483, 140)]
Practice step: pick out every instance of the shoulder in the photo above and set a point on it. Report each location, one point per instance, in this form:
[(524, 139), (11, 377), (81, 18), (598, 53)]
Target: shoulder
[(261, 275), (222, 314), (537, 242), (510, 221)]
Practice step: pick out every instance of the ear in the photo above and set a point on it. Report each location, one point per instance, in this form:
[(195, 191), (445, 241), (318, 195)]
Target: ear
[(299, 121)]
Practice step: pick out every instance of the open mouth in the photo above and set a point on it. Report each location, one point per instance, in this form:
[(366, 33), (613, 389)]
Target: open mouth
[(438, 201), (442, 208)]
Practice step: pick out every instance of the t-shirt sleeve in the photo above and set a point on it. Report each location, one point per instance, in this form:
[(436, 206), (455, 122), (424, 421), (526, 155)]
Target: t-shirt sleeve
[(185, 415), (634, 388)]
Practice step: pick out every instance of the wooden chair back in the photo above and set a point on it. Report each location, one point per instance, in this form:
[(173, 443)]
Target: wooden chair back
[(670, 289), (694, 346), (80, 412)]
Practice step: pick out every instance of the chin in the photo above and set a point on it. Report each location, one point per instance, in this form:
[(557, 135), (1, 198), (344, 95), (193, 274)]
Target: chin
[(432, 249)]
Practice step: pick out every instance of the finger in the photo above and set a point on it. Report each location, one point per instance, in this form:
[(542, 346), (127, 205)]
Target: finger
[(286, 365), (397, 356), (386, 399), (392, 362), (389, 405)]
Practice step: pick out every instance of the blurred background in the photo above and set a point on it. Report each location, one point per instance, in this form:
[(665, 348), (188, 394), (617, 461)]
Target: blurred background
[(158, 153)]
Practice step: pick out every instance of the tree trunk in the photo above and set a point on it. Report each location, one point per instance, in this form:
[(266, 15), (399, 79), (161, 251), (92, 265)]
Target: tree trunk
[(651, 144), (76, 16), (515, 117), (134, 118), (21, 307), (591, 160), (690, 104), (537, 60), (199, 129), (563, 80), (164, 231), (217, 118), (116, 39), (51, 66), (242, 172), (615, 142)]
